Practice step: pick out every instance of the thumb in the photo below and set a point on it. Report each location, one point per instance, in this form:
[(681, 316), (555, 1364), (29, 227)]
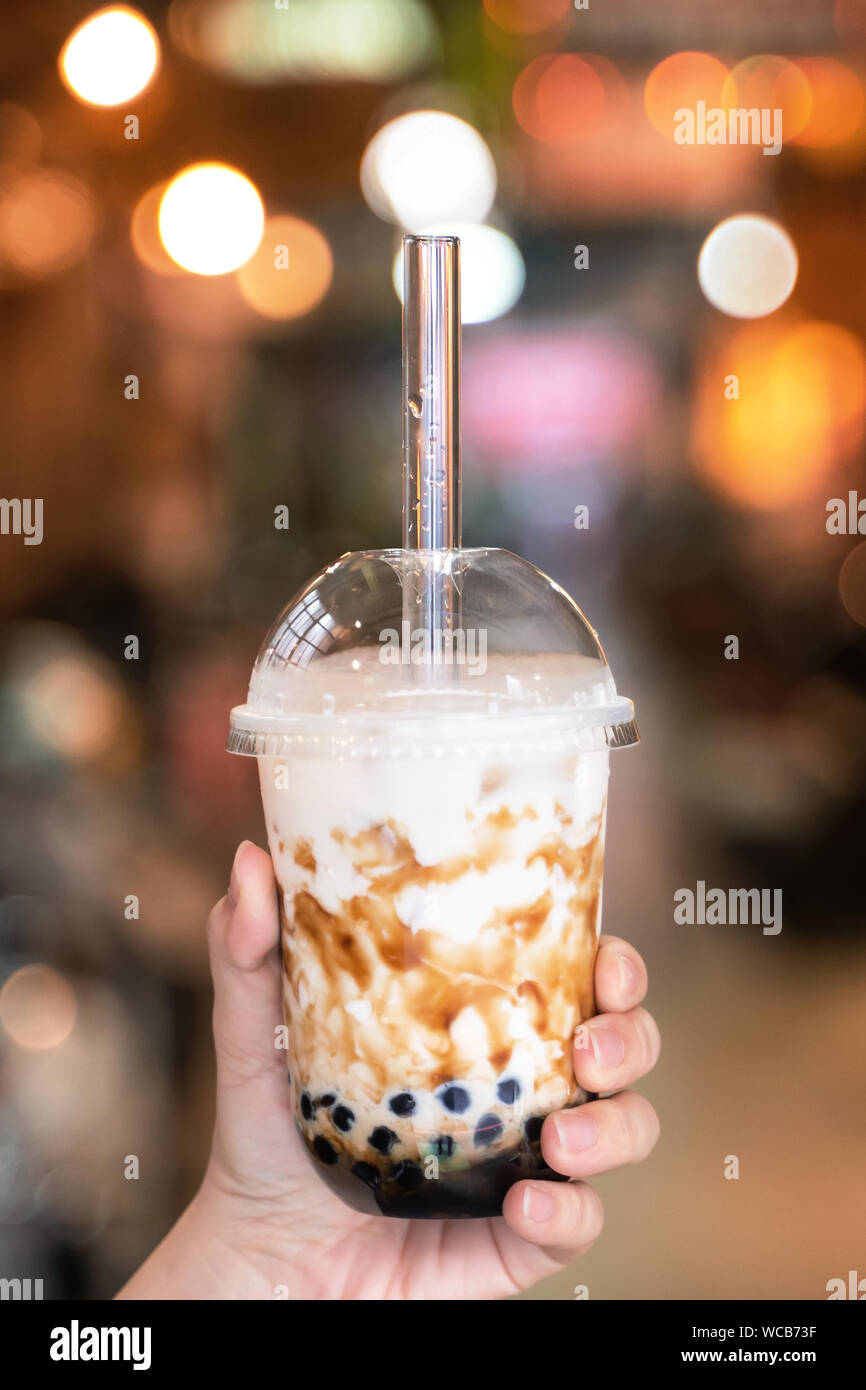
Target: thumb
[(254, 1134)]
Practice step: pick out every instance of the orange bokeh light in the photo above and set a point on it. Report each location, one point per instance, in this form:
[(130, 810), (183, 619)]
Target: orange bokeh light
[(144, 233), (837, 103), (768, 82), (290, 273), (682, 80), (559, 98), (527, 16), (800, 411)]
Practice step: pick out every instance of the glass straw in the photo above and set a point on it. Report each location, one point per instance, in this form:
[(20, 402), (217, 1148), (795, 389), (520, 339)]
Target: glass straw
[(431, 435)]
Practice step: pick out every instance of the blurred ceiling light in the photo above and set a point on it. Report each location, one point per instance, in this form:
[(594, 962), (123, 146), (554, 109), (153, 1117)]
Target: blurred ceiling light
[(20, 134), (768, 82), (72, 705), (428, 166), (37, 1007), (46, 222), (799, 412), (492, 270), (527, 16), (837, 103), (747, 266), (259, 41), (559, 98), (290, 273), (111, 57), (144, 233), (680, 81), (852, 583), (211, 218)]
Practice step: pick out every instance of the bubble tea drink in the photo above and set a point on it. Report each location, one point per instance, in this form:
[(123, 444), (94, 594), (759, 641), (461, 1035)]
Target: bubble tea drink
[(433, 726)]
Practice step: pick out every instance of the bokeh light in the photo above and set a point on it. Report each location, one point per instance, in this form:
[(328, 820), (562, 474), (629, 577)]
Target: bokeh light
[(527, 16), (111, 57), (37, 1007), (798, 414), (492, 271), (747, 266), (20, 134), (73, 706), (837, 103), (559, 98), (211, 218), (767, 82), (47, 222), (428, 166), (852, 583), (256, 41), (681, 80), (290, 273), (144, 233)]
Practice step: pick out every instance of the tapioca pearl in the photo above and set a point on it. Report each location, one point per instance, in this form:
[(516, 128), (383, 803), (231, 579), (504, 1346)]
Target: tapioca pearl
[(402, 1104), (327, 1100), (323, 1150), (382, 1139), (367, 1173), (343, 1117), (508, 1090), (307, 1107), (532, 1128), (407, 1175), (443, 1145), (454, 1098), (487, 1131)]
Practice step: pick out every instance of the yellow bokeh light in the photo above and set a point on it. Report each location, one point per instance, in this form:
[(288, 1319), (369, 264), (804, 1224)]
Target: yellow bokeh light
[(37, 1007), (111, 57), (798, 411), (290, 273), (747, 266), (527, 16), (680, 81), (837, 103), (211, 219)]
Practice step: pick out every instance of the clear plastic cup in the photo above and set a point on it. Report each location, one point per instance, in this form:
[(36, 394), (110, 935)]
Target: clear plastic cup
[(435, 804)]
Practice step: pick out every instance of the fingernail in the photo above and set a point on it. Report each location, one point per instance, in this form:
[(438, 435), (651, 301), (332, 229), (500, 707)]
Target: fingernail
[(234, 889), (575, 1132), (538, 1205), (628, 975), (607, 1045)]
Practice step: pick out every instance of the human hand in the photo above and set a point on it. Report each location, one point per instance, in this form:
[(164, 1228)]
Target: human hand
[(263, 1225)]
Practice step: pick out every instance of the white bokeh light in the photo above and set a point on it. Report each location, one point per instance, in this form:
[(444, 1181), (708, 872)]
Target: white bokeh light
[(492, 271), (428, 167), (747, 266), (211, 219), (110, 57)]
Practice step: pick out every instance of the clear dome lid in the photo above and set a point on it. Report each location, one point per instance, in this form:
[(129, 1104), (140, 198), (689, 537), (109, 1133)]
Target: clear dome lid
[(387, 652)]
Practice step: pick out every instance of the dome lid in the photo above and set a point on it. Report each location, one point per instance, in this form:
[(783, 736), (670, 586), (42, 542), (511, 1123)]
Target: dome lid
[(502, 657)]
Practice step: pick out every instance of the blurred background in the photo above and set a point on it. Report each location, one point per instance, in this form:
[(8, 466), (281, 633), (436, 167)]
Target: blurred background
[(199, 377)]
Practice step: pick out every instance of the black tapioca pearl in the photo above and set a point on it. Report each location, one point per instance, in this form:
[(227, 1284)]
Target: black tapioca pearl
[(407, 1175), (487, 1131), (323, 1150), (382, 1139), (343, 1117), (367, 1173), (454, 1098), (307, 1107), (403, 1104), (532, 1128), (443, 1146), (327, 1100), (508, 1090)]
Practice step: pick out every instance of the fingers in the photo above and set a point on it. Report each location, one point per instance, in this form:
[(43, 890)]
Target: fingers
[(620, 976), (599, 1136), (243, 935), (565, 1218), (614, 1050)]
